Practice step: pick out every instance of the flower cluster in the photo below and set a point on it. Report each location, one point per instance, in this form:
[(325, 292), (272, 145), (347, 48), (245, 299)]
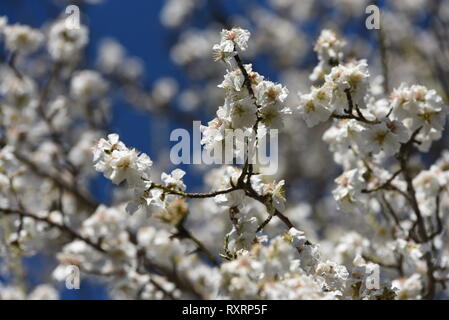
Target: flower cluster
[(65, 44), (241, 238), (361, 131), (252, 104), (342, 81), (329, 48), (369, 130), (230, 41), (23, 39)]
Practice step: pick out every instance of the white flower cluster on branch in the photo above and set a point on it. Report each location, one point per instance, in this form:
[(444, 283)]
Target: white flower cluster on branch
[(378, 231), (365, 135), (271, 268)]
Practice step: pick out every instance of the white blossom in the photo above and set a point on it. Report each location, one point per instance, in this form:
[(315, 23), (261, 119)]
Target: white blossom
[(21, 38), (157, 231), (87, 85), (119, 163), (348, 192), (234, 37), (240, 113), (315, 106), (65, 44)]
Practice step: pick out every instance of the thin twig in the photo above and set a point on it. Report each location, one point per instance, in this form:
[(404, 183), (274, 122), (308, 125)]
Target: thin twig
[(61, 227), (403, 155), (192, 195), (384, 185), (183, 233), (71, 188)]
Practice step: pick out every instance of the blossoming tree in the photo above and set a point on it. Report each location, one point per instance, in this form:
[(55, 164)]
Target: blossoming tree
[(382, 234)]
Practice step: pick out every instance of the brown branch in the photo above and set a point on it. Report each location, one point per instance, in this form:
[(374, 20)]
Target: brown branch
[(250, 192), (160, 288), (71, 188), (439, 228), (396, 266), (12, 65), (97, 246), (247, 168), (420, 224), (172, 276), (264, 223), (349, 112), (247, 81), (48, 120), (350, 102), (61, 227), (183, 233), (402, 156), (192, 195), (384, 185), (391, 212), (355, 117)]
